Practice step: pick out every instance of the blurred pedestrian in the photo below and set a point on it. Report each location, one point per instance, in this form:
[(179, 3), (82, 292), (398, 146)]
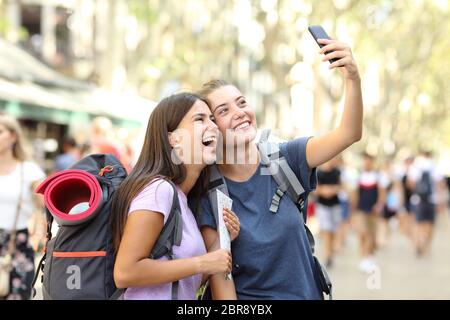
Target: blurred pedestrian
[(103, 142), (70, 155), (391, 204), (406, 215), (348, 178), (328, 207), (370, 203), (425, 181), (18, 178)]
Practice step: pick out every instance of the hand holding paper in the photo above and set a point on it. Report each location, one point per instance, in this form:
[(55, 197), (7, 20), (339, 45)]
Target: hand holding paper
[(223, 201)]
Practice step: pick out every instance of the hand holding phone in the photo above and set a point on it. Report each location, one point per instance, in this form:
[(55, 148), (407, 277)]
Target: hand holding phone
[(319, 33)]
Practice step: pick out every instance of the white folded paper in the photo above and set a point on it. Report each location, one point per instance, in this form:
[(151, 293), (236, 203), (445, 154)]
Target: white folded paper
[(223, 201)]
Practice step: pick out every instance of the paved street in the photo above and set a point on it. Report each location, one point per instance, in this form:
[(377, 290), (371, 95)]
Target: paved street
[(402, 275)]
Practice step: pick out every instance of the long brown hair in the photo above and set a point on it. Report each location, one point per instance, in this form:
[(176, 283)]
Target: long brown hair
[(155, 158)]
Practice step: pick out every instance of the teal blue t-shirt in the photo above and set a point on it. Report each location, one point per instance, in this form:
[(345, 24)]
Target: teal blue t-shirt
[(271, 256)]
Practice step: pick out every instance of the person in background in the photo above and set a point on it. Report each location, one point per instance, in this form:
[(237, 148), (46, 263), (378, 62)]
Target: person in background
[(348, 179), (328, 206), (406, 215), (371, 194), (70, 155), (18, 178), (101, 140), (424, 179)]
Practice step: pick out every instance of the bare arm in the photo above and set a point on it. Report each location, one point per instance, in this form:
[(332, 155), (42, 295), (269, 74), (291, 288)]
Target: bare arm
[(221, 288), (133, 268), (37, 198), (320, 149), (382, 193)]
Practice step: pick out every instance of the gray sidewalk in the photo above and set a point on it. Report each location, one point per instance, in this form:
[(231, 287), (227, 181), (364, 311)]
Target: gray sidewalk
[(401, 275)]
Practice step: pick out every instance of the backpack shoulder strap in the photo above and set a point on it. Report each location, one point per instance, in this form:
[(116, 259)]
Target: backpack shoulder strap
[(170, 236), (216, 182), (278, 167), (171, 233)]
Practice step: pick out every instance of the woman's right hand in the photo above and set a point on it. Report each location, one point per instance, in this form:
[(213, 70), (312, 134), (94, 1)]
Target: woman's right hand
[(218, 261)]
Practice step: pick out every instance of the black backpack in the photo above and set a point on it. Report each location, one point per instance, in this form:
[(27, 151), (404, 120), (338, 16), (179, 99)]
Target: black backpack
[(78, 262), (424, 187)]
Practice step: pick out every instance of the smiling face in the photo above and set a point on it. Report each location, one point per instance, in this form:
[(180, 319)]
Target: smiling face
[(233, 115), (195, 139)]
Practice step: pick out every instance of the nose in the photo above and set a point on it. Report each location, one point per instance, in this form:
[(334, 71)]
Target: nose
[(238, 113), (212, 125)]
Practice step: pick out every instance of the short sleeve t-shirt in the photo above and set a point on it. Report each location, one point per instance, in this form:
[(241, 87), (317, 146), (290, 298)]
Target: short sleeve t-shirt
[(157, 197), (271, 255), (9, 196), (332, 177), (421, 165), (369, 183)]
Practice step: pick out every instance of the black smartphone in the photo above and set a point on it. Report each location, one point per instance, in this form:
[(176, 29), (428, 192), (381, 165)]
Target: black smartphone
[(319, 33)]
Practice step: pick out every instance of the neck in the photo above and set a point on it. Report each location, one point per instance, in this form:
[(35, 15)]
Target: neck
[(192, 173), (7, 160), (241, 164)]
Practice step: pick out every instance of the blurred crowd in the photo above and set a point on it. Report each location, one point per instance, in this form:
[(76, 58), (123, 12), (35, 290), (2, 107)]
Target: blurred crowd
[(373, 200)]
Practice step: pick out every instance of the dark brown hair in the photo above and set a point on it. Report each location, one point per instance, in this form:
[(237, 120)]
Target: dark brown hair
[(155, 158)]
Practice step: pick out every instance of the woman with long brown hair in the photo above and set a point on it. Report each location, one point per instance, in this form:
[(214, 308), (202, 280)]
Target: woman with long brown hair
[(18, 177), (180, 142)]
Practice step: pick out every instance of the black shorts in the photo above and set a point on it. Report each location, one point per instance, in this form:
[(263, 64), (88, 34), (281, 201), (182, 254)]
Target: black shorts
[(388, 213), (425, 212)]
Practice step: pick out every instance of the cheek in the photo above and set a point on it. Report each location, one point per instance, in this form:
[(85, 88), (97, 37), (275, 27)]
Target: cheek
[(223, 124), (196, 135), (5, 137), (251, 114)]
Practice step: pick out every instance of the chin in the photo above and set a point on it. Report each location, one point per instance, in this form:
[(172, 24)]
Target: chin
[(209, 158), (249, 136)]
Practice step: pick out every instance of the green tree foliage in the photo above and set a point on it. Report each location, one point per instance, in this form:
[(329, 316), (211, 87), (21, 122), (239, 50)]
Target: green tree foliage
[(401, 48)]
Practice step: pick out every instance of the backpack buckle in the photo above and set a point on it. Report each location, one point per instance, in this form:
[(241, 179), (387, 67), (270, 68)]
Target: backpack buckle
[(276, 200)]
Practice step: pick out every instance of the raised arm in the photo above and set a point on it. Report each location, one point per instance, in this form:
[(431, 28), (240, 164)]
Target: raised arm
[(322, 148)]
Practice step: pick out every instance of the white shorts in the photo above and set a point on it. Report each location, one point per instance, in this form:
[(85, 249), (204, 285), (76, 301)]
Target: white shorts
[(329, 217)]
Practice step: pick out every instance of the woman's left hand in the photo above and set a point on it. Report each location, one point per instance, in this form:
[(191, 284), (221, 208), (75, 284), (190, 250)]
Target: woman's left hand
[(342, 52), (232, 223)]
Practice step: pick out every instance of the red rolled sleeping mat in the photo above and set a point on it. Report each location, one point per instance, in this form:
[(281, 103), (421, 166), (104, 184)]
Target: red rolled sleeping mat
[(72, 196)]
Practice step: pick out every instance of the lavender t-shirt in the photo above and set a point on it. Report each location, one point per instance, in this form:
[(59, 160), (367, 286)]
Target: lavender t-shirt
[(158, 197)]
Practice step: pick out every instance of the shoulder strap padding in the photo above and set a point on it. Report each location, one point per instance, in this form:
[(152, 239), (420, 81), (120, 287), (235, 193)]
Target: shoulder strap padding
[(282, 173), (216, 182), (171, 234)]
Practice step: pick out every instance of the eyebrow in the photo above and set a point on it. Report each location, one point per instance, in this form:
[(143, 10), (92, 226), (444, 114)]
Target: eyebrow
[(201, 114), (225, 103)]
